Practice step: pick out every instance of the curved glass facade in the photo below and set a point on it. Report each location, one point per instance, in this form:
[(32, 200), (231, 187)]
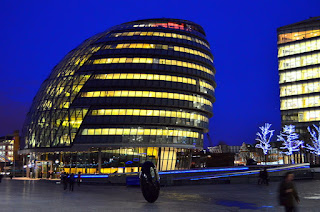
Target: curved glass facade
[(142, 84)]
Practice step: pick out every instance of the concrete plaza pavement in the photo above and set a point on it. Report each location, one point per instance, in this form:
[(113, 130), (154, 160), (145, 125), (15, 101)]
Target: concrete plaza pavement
[(38, 195)]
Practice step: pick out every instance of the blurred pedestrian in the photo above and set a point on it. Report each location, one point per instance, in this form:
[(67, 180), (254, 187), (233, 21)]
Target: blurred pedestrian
[(71, 182), (288, 195), (265, 176), (260, 177), (79, 180), (64, 179)]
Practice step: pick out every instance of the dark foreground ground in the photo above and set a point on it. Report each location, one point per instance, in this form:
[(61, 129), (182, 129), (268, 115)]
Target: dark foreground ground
[(20, 195)]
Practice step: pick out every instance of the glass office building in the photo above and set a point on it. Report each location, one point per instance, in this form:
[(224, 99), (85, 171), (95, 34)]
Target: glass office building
[(299, 70), (142, 90)]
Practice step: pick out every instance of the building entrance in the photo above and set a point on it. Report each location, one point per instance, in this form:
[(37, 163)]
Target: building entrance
[(43, 169)]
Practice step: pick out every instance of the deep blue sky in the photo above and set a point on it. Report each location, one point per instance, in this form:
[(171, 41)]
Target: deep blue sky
[(35, 35)]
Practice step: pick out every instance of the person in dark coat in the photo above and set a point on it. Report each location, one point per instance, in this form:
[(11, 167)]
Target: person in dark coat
[(64, 179), (71, 182), (260, 177), (288, 195), (263, 177)]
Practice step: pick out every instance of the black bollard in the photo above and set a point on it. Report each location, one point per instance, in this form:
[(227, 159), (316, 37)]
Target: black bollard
[(149, 182)]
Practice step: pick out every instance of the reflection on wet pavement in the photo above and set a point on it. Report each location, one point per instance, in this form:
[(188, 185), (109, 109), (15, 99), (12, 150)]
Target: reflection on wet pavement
[(315, 196), (19, 195), (241, 205), (238, 204), (184, 197)]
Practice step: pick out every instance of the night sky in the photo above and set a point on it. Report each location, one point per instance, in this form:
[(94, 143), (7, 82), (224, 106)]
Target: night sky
[(36, 35)]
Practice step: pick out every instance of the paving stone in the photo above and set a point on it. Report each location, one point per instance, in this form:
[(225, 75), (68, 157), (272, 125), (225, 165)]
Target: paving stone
[(38, 195)]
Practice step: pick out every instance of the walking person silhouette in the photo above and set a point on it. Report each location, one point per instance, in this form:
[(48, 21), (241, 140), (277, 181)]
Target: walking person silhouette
[(288, 195)]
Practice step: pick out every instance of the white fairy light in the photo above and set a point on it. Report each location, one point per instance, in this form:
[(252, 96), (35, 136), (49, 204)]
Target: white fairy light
[(290, 140), (264, 138), (315, 138)]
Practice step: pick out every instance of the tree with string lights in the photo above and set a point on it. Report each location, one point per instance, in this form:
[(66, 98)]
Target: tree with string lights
[(289, 139), (264, 139), (315, 139)]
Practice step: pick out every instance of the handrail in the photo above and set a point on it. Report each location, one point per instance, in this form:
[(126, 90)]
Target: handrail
[(233, 174)]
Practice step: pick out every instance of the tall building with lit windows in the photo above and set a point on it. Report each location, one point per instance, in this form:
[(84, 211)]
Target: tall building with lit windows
[(9, 157), (142, 90), (299, 70)]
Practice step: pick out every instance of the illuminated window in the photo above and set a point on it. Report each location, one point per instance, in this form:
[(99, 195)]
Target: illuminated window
[(161, 34), (206, 85), (97, 131), (146, 132), (299, 61), (126, 131), (171, 25), (146, 94), (90, 131), (142, 112), (300, 102), (151, 60), (311, 115), (297, 48), (300, 74), (105, 131), (159, 46), (292, 36), (303, 88), (85, 132)]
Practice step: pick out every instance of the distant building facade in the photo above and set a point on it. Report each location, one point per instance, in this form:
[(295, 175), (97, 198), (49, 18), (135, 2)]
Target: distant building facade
[(9, 147), (6, 149), (299, 71), (250, 155), (224, 148)]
